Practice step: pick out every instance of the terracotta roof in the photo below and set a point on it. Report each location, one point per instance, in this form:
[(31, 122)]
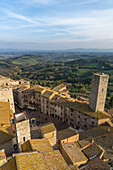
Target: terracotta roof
[(5, 112), (85, 142), (106, 142), (64, 91), (38, 88), (66, 133), (4, 78), (47, 93), (6, 134), (55, 97), (52, 160), (19, 117), (30, 92), (30, 161), (82, 107), (10, 165), (40, 145), (97, 163), (92, 151), (102, 136), (47, 128), (21, 88), (59, 87), (55, 161), (96, 131), (74, 153)]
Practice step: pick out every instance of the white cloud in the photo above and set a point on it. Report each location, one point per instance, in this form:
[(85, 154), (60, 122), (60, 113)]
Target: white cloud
[(94, 25), (18, 16)]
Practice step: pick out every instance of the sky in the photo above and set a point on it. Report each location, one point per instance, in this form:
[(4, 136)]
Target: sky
[(56, 24)]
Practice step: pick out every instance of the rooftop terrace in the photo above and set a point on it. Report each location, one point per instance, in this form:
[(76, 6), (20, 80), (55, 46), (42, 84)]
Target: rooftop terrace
[(21, 117), (74, 153), (66, 133), (40, 145), (47, 128)]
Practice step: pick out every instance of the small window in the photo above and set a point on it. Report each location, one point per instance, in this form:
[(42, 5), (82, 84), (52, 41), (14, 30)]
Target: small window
[(2, 124), (15, 146), (66, 120), (24, 139), (102, 90)]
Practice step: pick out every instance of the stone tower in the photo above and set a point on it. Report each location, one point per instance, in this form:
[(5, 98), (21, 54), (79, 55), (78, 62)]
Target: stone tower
[(98, 91), (22, 129)]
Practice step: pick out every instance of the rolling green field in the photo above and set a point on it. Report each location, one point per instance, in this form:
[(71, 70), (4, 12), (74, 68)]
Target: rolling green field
[(76, 72)]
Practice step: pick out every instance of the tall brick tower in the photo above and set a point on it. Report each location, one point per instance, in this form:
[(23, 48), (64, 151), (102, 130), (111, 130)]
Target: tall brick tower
[(98, 91)]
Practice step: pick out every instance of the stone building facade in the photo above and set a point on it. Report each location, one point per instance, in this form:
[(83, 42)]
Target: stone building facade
[(6, 93), (78, 114), (98, 91), (18, 94), (22, 129)]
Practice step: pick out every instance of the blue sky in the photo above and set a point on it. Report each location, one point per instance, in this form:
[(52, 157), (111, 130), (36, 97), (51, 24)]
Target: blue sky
[(56, 24)]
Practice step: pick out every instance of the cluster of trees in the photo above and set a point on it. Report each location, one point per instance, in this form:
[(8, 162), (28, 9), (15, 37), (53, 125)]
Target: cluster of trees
[(51, 71)]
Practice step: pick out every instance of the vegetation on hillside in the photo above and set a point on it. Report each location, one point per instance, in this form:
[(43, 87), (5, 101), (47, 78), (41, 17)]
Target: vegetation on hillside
[(74, 70)]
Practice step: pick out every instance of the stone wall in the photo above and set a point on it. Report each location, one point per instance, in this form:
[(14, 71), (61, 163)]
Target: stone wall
[(98, 92), (22, 132), (6, 95)]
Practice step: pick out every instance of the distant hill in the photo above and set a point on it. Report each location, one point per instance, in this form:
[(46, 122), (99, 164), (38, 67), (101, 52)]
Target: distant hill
[(88, 50), (76, 50)]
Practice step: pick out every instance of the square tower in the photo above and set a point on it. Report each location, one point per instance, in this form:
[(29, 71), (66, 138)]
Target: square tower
[(98, 91), (22, 129)]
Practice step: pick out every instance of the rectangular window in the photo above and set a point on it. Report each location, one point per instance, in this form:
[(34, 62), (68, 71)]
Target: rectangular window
[(24, 139)]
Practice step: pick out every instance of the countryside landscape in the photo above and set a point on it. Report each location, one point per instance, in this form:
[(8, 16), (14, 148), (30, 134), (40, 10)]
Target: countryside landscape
[(53, 68)]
